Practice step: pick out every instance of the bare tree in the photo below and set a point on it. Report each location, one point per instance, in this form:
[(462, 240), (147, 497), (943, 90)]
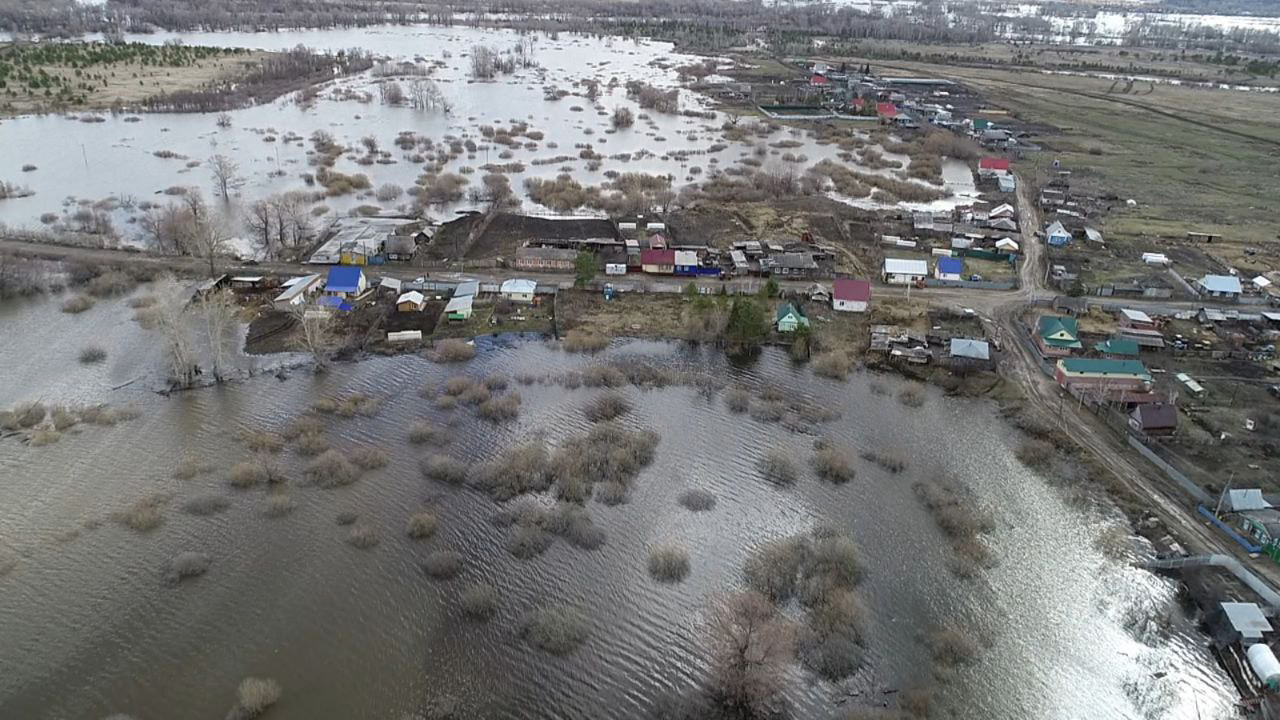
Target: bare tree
[(224, 120), (203, 235), (424, 94), (226, 176), (316, 336), (484, 62), (752, 645), (219, 312), (391, 93), (168, 316), (260, 220)]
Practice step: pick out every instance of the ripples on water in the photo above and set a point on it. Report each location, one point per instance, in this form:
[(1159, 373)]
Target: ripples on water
[(87, 627)]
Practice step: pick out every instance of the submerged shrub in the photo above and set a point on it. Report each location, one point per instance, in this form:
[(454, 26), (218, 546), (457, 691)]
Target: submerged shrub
[(833, 465), (518, 470), (584, 341), (183, 566), (256, 471), (331, 470), (606, 407), (556, 628), (912, 397), (362, 536), (835, 365), (603, 376), (279, 505), (45, 436), (254, 696), (346, 517), (424, 433), (262, 440), (696, 500), (77, 304), (737, 400), (144, 515), (777, 467), (422, 525), (500, 409), (208, 504), (443, 468), (442, 564), (92, 354), (453, 351), (479, 602), (368, 458), (669, 563), (949, 647)]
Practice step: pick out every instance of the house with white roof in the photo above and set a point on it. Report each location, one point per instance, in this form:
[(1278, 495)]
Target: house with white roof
[(898, 271), (1220, 286), (518, 290)]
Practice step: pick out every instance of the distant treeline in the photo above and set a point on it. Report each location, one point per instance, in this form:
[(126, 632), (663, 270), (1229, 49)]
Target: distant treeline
[(274, 76)]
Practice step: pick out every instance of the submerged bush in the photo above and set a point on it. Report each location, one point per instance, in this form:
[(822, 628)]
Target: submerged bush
[(254, 696), (369, 458), (92, 354), (606, 407), (669, 563), (584, 341), (696, 500), (607, 453), (949, 647), (777, 467), (890, 462), (443, 468), (556, 628), (77, 304), (737, 400), (442, 564), (912, 397), (183, 566), (279, 505), (422, 525), (208, 504), (835, 365), (143, 515), (833, 465), (424, 433), (331, 470), (500, 409), (479, 602), (256, 471), (262, 440), (362, 536), (453, 351), (518, 470)]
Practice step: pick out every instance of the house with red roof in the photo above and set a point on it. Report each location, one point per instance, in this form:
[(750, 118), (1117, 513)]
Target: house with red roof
[(851, 295), (993, 166), (658, 262), (817, 80), (887, 111)]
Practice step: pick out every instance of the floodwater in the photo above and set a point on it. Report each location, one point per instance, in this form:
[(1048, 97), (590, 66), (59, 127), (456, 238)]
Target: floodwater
[(87, 165), (88, 628)]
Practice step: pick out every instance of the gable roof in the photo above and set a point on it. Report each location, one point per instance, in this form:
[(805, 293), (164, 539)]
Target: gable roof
[(1118, 346), (950, 265), (1135, 315), (970, 348), (518, 286), (1002, 210), (1059, 331), (1156, 416), (344, 278), (459, 303), (899, 266), (852, 289), (470, 287), (993, 163), (658, 257), (1056, 228), (1246, 499), (1096, 366), (886, 109), (1221, 283), (786, 309)]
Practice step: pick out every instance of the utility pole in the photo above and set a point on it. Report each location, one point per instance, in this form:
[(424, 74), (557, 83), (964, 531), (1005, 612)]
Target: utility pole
[(1218, 510)]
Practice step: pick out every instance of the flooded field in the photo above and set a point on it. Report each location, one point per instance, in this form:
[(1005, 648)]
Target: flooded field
[(272, 146), (90, 627)]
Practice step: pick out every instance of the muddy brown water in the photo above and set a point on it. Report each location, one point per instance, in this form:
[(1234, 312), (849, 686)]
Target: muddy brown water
[(87, 627)]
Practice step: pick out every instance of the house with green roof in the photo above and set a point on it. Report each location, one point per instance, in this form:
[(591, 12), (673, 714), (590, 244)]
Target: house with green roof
[(1118, 348), (1102, 374), (789, 318), (1057, 336)]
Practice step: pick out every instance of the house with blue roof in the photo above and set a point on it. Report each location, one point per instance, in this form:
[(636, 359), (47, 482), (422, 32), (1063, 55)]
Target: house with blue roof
[(345, 281), (949, 268)]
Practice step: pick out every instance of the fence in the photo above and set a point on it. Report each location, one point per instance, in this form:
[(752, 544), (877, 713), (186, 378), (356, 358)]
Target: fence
[(1173, 473), (973, 284)]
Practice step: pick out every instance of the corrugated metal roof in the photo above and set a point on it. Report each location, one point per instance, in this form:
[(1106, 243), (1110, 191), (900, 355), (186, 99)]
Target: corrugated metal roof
[(459, 303), (1221, 283), (1246, 618), (898, 266), (970, 348), (1103, 366), (344, 278), (950, 265), (519, 286), (1246, 499)]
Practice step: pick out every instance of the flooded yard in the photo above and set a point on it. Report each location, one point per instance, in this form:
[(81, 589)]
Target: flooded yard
[(357, 629)]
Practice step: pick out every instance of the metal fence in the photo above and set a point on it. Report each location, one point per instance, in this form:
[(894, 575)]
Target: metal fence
[(1172, 472)]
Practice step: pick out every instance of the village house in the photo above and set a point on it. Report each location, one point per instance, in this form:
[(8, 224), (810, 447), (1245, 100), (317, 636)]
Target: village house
[(1093, 236), (851, 295), (1003, 210), (459, 307), (400, 248), (518, 290), (887, 112), (1118, 348), (968, 352), (1057, 336), (949, 268), (345, 281), (789, 318), (297, 291), (990, 167), (1220, 286), (898, 271), (1101, 375), (1007, 183), (685, 262), (1057, 235), (545, 259), (658, 262), (790, 265), (1154, 419), (1008, 245), (818, 293), (412, 301), (1136, 320), (467, 287)]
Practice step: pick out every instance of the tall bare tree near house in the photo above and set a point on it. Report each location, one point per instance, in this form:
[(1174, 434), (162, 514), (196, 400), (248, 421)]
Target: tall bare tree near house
[(293, 222), (168, 316), (315, 333), (205, 235), (226, 176), (751, 645), (166, 227), (260, 220), (219, 312)]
